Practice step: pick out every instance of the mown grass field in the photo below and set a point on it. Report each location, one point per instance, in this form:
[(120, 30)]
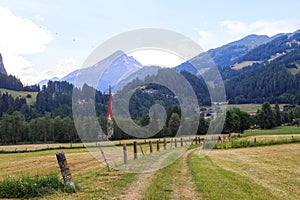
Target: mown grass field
[(270, 172), (294, 71), (250, 108), (250, 173), (88, 173), (281, 130), (22, 94)]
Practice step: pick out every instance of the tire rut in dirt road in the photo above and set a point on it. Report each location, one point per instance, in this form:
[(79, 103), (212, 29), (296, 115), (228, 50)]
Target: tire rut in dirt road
[(136, 189), (184, 187)]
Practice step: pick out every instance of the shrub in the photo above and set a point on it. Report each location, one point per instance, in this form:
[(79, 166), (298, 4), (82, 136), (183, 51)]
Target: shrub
[(29, 187)]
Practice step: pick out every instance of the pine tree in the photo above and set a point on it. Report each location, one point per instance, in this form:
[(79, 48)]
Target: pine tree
[(228, 122), (278, 120), (266, 118), (174, 123)]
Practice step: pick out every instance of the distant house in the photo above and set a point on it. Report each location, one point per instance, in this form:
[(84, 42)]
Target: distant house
[(251, 113)]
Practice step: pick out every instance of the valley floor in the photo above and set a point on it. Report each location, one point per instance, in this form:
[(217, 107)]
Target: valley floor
[(270, 172)]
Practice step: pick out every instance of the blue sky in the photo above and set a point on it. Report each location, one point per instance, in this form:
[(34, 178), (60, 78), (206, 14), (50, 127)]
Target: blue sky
[(47, 38)]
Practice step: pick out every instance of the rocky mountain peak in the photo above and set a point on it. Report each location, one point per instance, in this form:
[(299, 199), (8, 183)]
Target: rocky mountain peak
[(2, 68)]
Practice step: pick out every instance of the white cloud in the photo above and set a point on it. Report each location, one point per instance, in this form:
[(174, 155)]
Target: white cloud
[(261, 27), (18, 37), (39, 18), (63, 67), (232, 30), (207, 39), (157, 57)]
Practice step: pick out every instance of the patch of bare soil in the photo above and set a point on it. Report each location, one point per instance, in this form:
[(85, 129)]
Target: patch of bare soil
[(137, 188), (184, 187)]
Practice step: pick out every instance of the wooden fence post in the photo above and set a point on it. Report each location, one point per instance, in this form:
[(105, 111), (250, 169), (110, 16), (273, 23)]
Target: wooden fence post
[(125, 153), (175, 143), (104, 158), (196, 141), (157, 145), (199, 140), (150, 144), (181, 142), (165, 143), (142, 149), (65, 170), (134, 150), (255, 141)]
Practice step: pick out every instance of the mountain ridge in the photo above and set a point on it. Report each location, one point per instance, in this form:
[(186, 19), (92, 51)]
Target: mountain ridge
[(118, 64), (226, 57)]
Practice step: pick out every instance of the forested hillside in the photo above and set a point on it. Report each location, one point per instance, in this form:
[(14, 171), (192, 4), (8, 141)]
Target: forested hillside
[(274, 81), (282, 44), (48, 120)]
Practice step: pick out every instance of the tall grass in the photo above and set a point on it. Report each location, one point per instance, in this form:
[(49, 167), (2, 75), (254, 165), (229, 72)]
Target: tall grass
[(30, 187), (247, 143)]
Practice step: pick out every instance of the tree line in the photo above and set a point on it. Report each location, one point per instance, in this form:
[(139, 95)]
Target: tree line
[(15, 129), (266, 118), (50, 119)]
